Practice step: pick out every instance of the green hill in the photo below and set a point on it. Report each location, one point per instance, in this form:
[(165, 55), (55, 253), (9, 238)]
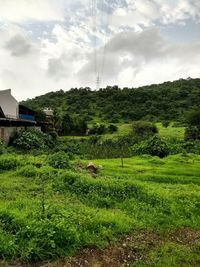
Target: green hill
[(166, 101)]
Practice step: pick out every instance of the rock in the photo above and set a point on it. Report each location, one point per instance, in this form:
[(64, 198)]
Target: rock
[(92, 168)]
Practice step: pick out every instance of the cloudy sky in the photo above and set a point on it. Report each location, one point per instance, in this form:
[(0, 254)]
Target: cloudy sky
[(47, 45)]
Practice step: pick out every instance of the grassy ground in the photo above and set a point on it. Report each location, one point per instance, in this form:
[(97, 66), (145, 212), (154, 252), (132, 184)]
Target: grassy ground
[(47, 213), (125, 129), (171, 132)]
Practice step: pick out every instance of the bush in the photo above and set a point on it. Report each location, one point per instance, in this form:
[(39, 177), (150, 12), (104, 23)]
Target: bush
[(28, 171), (192, 133), (27, 140), (154, 146), (9, 162), (112, 128), (1, 147), (165, 123), (59, 160), (144, 129), (193, 118), (98, 129), (192, 147)]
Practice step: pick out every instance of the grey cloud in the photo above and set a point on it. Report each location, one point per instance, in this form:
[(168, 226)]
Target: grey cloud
[(136, 50), (60, 67), (148, 44), (18, 46)]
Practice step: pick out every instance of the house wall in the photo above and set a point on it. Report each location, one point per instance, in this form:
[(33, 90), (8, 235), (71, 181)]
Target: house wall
[(9, 104), (7, 132)]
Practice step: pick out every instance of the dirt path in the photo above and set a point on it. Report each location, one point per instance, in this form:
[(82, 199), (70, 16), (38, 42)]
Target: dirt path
[(126, 252)]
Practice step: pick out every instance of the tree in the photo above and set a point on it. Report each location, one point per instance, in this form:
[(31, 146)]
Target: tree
[(192, 132), (144, 129), (193, 118)]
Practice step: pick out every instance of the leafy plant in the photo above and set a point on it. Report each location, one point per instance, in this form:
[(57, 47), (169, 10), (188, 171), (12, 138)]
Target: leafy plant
[(27, 140), (59, 160), (144, 129), (154, 146)]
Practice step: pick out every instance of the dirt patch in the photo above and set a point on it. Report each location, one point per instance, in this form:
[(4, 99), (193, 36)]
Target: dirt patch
[(127, 251), (131, 249)]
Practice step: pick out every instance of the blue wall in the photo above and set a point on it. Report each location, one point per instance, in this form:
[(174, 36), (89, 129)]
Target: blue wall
[(27, 117)]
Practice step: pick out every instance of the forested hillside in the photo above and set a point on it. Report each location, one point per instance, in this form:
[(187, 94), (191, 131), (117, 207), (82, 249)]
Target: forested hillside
[(166, 101)]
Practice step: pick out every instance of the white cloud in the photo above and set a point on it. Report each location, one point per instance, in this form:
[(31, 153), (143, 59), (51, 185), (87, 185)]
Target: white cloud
[(63, 57), (25, 10)]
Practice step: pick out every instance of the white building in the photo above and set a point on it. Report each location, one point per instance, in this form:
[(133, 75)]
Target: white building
[(9, 104)]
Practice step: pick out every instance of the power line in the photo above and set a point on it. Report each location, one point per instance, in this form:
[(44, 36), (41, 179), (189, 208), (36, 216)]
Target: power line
[(100, 57)]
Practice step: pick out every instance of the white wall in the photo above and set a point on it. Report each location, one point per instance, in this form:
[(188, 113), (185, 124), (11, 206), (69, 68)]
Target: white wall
[(9, 104)]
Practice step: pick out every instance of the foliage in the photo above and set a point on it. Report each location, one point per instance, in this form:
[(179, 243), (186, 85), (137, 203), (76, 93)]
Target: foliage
[(29, 171), (27, 140), (154, 146), (73, 125), (192, 133), (165, 123), (149, 193), (59, 160), (97, 129), (193, 118), (9, 162), (112, 128), (1, 147), (166, 101), (144, 129)]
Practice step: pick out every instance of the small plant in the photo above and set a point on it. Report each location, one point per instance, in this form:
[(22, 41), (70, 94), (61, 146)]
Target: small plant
[(59, 160)]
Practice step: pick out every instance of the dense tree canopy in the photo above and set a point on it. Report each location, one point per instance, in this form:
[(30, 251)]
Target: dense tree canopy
[(167, 101)]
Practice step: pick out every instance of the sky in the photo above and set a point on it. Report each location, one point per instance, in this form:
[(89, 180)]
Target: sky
[(48, 45)]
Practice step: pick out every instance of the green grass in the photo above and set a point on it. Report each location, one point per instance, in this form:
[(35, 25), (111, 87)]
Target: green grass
[(172, 255), (170, 131), (148, 193), (125, 129)]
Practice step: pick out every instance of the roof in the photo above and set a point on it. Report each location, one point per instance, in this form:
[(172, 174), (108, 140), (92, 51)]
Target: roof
[(8, 93)]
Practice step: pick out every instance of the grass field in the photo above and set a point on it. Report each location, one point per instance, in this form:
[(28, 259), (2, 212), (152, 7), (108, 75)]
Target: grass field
[(125, 129), (171, 132), (46, 213)]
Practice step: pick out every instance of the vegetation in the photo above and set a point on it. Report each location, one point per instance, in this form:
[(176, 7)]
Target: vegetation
[(167, 101), (193, 130), (144, 144), (79, 211), (32, 139)]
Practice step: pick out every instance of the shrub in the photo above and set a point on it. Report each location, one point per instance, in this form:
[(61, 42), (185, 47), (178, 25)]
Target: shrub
[(59, 160), (144, 129), (33, 139), (1, 147), (112, 128), (193, 118), (9, 162), (192, 133), (28, 171), (165, 123), (192, 147), (154, 146), (98, 129)]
